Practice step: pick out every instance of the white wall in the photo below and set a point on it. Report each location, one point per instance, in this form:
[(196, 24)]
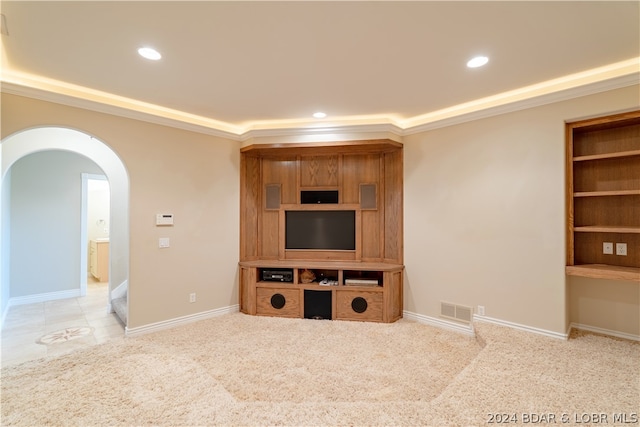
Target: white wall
[(5, 232), (45, 206), (485, 213), (98, 207)]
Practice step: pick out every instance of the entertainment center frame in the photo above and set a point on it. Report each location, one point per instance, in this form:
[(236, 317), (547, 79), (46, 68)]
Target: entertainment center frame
[(365, 280)]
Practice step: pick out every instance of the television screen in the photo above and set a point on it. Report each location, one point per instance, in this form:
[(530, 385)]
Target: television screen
[(330, 230)]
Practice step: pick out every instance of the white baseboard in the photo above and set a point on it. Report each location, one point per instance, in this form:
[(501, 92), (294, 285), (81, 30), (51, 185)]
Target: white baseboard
[(520, 327), (468, 330), (120, 290), (603, 331), (48, 296), (440, 323), (172, 323)]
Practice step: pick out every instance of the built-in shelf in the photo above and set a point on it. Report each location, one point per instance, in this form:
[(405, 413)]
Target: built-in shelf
[(613, 155), (603, 196), (603, 271), (606, 229), (607, 193)]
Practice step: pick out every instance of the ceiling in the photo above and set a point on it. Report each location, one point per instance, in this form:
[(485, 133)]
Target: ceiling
[(238, 66)]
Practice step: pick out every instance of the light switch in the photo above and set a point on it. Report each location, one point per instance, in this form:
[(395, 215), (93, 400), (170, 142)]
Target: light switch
[(607, 248), (163, 242)]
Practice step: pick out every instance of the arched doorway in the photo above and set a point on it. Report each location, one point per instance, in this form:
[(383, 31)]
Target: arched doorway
[(30, 141)]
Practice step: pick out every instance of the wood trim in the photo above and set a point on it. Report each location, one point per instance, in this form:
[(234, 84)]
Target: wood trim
[(606, 229), (569, 194), (321, 207), (604, 121), (601, 271), (318, 264), (607, 193), (322, 148)]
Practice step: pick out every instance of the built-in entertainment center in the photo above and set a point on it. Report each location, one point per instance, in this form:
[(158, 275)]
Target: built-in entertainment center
[(321, 230)]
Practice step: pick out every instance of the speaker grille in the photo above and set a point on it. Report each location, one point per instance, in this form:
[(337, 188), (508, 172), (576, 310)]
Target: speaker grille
[(359, 305), (368, 199), (273, 196), (278, 301)]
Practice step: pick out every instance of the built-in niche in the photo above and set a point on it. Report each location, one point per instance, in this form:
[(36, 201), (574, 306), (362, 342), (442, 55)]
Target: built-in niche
[(322, 181)]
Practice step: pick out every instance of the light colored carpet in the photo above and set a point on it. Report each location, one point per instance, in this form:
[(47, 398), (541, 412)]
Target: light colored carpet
[(245, 370)]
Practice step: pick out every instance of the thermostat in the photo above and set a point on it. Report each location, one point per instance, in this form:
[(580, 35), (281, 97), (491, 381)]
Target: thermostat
[(164, 219)]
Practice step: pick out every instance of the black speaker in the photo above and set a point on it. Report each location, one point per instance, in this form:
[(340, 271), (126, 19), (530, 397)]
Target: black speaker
[(317, 304), (359, 305), (318, 196), (278, 301)]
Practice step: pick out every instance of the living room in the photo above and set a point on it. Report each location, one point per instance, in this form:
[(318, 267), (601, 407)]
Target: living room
[(484, 205)]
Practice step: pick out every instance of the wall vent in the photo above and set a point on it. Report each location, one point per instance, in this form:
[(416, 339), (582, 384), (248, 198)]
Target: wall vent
[(460, 313)]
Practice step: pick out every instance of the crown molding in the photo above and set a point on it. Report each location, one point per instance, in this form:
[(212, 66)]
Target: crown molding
[(335, 132), (609, 77), (102, 102), (565, 95)]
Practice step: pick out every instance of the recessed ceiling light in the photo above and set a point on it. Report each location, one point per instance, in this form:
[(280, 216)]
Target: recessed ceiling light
[(319, 115), (149, 53), (478, 61)]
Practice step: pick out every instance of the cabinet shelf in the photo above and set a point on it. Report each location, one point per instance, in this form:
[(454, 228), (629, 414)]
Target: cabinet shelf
[(613, 155), (317, 286), (607, 193), (606, 229), (603, 271)]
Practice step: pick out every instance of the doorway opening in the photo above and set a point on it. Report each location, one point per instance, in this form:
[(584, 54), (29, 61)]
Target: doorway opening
[(35, 140), (94, 235)]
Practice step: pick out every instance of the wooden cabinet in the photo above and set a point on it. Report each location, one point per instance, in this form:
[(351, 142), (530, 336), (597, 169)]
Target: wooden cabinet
[(376, 295), (278, 301), (603, 197), (347, 196), (366, 176), (99, 260), (361, 304)]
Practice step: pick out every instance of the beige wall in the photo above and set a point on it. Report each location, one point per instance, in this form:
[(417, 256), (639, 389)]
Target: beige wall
[(191, 175), (608, 305), (484, 215), (485, 220)]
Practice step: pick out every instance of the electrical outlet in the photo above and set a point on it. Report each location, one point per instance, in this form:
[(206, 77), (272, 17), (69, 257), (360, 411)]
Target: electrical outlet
[(481, 310), (192, 297), (621, 249), (607, 248)]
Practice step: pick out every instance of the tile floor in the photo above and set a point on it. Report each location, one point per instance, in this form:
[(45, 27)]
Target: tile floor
[(24, 325)]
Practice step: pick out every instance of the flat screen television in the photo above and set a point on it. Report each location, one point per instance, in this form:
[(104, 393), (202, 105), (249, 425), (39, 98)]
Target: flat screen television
[(321, 230)]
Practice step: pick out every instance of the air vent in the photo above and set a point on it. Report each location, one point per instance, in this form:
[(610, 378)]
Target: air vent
[(460, 313)]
